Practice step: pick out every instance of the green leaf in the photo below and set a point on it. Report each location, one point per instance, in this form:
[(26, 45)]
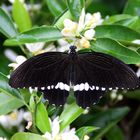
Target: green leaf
[(124, 20), (21, 16), (42, 119), (6, 25), (4, 132), (116, 18), (75, 7), (8, 103), (115, 134), (138, 50), (40, 34), (109, 46), (27, 136), (81, 132), (106, 120), (135, 25), (132, 7), (10, 98), (4, 61), (5, 88), (133, 94), (116, 32), (70, 113), (60, 20), (56, 7)]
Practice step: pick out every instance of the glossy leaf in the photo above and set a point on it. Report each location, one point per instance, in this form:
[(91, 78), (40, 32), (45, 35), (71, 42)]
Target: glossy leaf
[(106, 120), (6, 25), (81, 132), (132, 7), (40, 34), (116, 32), (124, 20), (109, 46), (10, 98), (4, 61), (135, 24), (4, 132), (138, 50), (42, 119), (115, 134), (27, 136), (75, 7), (8, 103), (116, 18), (5, 88), (70, 113), (21, 16), (59, 23), (133, 94), (56, 7)]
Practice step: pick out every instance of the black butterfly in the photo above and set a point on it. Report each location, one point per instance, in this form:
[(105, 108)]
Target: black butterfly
[(90, 74)]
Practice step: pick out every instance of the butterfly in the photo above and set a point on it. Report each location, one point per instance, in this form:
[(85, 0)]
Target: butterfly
[(89, 74)]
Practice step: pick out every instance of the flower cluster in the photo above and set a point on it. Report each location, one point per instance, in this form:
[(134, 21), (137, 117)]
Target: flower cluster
[(67, 134), (115, 96), (83, 31), (1, 138), (15, 119)]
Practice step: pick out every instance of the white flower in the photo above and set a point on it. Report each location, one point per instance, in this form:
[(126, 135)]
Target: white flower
[(1, 138), (29, 125), (27, 116), (86, 137), (137, 41), (120, 97), (19, 60), (64, 45), (93, 20), (12, 1), (89, 34), (113, 94), (10, 54), (67, 134), (51, 47), (81, 23), (35, 48), (138, 72), (79, 33), (13, 119), (84, 42), (70, 28)]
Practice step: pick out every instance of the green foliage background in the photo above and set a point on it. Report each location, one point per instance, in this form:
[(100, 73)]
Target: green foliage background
[(116, 120)]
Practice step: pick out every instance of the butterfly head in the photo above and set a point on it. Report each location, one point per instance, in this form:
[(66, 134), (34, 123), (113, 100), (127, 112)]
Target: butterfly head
[(73, 49)]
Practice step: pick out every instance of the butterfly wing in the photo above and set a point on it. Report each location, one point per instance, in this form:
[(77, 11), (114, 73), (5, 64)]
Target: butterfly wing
[(96, 73), (48, 72), (87, 98), (104, 72)]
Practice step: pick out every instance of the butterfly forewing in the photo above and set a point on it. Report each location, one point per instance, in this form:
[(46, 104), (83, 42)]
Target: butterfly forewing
[(41, 71), (104, 71)]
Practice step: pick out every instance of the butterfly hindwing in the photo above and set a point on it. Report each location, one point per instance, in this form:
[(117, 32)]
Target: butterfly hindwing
[(88, 98), (56, 96)]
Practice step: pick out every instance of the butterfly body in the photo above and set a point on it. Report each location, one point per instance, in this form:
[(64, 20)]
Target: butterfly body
[(91, 75)]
